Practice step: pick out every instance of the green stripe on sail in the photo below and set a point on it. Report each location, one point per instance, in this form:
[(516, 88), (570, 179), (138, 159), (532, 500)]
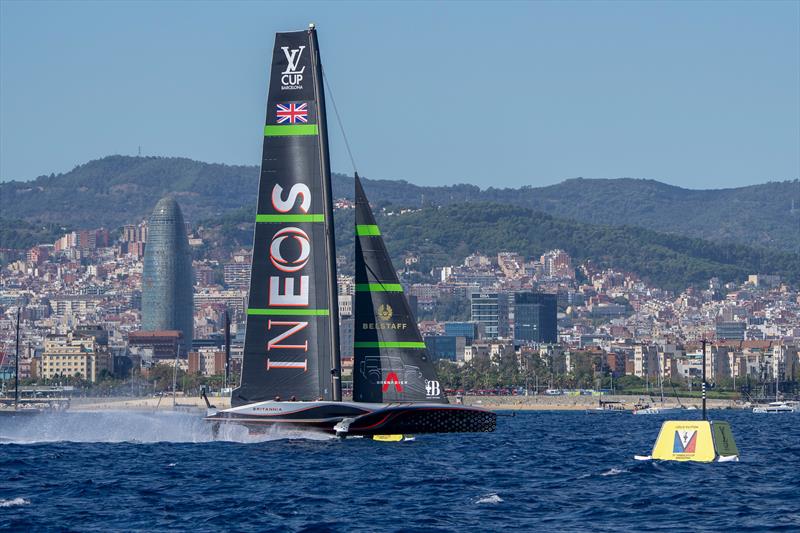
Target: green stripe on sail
[(290, 129), (367, 229), (370, 344), (290, 218), (379, 287), (294, 312)]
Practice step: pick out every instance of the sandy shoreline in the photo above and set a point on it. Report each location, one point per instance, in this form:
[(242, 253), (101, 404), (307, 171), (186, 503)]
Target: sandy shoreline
[(494, 403)]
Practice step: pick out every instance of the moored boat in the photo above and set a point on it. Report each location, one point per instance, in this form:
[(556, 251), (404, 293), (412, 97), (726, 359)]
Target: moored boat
[(605, 407), (778, 407), (651, 410)]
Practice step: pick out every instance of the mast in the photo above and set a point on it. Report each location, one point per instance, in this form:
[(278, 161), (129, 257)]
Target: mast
[(775, 366), (227, 347), (327, 200), (703, 344), (175, 375), (16, 366)]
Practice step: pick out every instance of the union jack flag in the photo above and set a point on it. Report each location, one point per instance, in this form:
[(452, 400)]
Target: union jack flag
[(292, 113)]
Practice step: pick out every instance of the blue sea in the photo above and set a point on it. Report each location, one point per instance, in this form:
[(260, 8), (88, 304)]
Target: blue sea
[(540, 471)]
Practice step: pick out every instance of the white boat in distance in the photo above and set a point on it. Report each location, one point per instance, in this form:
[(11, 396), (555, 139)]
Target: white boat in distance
[(778, 407), (649, 410)]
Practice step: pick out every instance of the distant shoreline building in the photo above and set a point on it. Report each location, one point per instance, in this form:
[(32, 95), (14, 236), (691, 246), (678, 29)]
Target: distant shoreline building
[(535, 318), (167, 298)]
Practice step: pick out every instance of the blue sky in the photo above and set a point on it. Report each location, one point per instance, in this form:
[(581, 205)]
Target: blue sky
[(696, 94)]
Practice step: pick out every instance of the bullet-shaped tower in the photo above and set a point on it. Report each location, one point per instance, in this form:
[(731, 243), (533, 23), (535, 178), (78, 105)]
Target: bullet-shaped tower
[(167, 299)]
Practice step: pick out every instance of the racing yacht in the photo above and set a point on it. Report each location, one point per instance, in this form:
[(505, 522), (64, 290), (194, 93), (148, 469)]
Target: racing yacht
[(291, 368)]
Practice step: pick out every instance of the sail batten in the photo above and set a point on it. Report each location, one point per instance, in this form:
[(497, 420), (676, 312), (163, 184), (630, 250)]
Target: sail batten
[(291, 342), (391, 362)]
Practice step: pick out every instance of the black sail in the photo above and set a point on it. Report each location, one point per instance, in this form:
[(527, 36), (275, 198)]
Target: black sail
[(292, 346), (391, 363)]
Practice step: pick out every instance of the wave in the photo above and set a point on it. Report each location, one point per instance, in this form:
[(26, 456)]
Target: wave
[(134, 427), (489, 498), (16, 502), (614, 472)]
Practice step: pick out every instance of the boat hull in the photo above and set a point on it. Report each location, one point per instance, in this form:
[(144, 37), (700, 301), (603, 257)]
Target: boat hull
[(358, 419), (657, 411), (776, 408)]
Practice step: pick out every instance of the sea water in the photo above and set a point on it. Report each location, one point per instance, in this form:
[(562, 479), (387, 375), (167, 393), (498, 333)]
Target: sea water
[(540, 471)]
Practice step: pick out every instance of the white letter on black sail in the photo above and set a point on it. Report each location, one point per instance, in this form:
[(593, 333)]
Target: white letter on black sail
[(284, 206), (288, 298)]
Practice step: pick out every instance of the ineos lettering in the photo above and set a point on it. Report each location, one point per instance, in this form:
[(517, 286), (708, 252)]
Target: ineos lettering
[(274, 344), (288, 297), (284, 206), (276, 256), (283, 291)]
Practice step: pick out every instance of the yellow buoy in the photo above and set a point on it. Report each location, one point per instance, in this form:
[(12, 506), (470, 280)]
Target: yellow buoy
[(702, 441), (390, 438), (695, 440)]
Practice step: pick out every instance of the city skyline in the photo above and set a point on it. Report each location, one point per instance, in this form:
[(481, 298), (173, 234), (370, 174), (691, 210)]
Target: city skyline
[(600, 90)]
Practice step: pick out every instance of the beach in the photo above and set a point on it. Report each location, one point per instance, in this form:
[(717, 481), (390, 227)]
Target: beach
[(494, 403)]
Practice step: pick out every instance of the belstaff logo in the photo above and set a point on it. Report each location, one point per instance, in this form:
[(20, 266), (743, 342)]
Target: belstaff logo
[(291, 78), (385, 312)]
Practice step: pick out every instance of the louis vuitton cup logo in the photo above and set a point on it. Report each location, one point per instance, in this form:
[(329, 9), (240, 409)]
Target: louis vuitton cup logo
[(292, 78)]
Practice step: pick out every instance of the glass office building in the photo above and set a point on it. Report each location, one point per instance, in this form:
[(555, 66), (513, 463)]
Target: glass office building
[(535, 318), (490, 310), (167, 300)]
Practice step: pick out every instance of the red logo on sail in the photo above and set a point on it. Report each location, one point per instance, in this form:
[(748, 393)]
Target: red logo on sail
[(292, 113), (391, 377)]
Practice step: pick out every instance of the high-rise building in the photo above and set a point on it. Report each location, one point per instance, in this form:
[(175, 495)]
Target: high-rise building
[(535, 317), (167, 300), (490, 309)]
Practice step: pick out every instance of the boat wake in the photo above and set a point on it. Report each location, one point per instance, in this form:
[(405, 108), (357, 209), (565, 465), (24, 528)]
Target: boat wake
[(16, 502), (134, 427), (489, 498), (614, 472)]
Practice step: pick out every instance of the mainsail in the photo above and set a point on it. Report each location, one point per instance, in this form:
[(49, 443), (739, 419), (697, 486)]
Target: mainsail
[(292, 341), (391, 362)]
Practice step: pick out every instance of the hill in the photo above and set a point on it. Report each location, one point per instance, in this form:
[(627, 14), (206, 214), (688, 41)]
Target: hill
[(758, 215), (446, 235), (117, 190)]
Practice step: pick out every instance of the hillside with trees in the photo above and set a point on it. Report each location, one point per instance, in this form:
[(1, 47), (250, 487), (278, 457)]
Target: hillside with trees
[(446, 235), (117, 190)]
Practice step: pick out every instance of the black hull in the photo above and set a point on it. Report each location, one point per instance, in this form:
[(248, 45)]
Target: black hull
[(418, 420), (352, 419)]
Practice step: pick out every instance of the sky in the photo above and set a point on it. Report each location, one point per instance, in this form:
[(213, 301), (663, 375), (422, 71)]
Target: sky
[(695, 94)]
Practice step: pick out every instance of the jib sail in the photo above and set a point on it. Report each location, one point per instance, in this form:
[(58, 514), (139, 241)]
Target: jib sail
[(391, 363), (292, 346)]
